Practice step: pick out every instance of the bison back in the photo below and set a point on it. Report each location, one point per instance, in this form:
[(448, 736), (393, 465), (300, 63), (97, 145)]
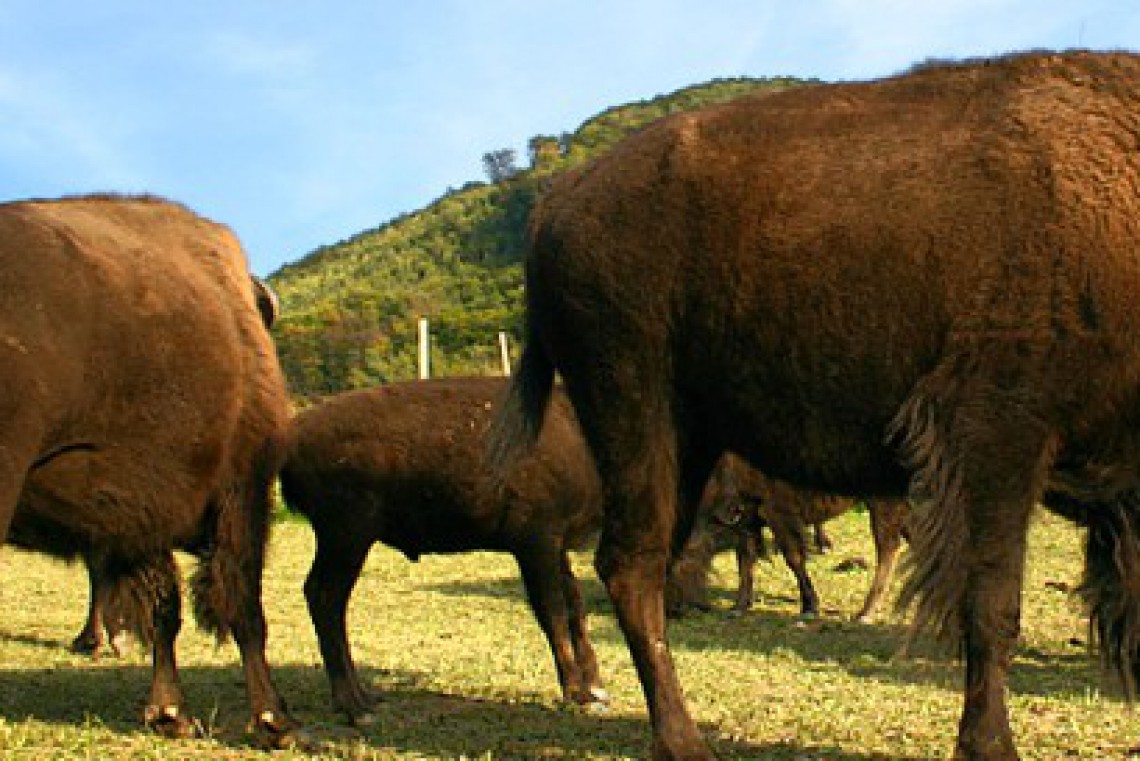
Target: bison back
[(405, 464), (139, 379), (833, 245)]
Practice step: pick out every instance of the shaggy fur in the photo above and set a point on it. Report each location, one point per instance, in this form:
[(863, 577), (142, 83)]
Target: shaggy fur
[(141, 409), (403, 465), (931, 275)]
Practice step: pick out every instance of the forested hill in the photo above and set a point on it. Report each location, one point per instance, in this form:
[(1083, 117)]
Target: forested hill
[(350, 310)]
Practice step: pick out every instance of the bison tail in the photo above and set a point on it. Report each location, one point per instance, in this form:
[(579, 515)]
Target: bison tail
[(518, 422), (1111, 586), (227, 584), (292, 491)]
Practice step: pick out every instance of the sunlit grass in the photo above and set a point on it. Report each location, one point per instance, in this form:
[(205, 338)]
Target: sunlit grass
[(466, 674)]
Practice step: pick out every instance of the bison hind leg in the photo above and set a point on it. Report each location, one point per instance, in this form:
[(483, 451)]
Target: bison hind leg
[(980, 454), (979, 458), (1111, 586)]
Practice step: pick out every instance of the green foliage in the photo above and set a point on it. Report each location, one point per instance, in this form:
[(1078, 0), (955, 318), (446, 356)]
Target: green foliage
[(350, 310)]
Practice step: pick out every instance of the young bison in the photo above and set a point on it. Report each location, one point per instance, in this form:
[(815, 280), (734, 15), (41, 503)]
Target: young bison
[(928, 280), (403, 465), (740, 503), (141, 409)]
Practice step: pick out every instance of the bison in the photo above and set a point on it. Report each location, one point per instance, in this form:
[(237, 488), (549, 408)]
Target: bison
[(922, 285), (105, 628), (741, 502), (141, 410), (402, 464)]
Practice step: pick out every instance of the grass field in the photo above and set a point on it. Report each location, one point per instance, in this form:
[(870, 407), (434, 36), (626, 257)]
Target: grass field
[(466, 673)]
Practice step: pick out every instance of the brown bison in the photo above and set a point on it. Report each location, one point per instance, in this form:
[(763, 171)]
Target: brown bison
[(105, 628), (740, 503), (141, 410), (403, 465), (923, 282)]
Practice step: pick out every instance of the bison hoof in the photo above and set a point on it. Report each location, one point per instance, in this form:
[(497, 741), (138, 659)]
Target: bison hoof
[(364, 719), (170, 722), (587, 697), (807, 617), (86, 644), (279, 731), (117, 643), (358, 708)]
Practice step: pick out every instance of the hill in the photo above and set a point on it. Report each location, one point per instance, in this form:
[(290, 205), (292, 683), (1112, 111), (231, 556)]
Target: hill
[(350, 309)]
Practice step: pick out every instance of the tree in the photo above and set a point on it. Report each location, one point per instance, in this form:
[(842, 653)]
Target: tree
[(544, 151), (499, 165)]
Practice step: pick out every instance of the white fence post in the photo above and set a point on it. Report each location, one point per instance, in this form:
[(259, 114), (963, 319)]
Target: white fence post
[(425, 350), (504, 353)]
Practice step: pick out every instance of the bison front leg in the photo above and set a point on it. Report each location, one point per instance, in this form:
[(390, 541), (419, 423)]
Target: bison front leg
[(92, 638), (104, 629), (336, 567), (747, 553), (792, 542), (542, 573), (887, 519), (983, 459)]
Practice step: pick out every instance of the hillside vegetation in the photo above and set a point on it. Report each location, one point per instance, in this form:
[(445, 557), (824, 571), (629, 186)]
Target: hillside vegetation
[(351, 309)]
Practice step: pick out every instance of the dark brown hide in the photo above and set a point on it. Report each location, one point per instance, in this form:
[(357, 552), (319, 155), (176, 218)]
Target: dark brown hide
[(141, 406), (740, 502), (932, 275), (403, 465)]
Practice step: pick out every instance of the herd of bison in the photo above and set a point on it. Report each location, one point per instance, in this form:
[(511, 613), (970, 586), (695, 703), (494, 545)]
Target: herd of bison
[(917, 292)]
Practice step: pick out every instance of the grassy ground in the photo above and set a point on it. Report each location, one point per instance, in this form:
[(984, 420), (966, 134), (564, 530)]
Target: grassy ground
[(466, 673)]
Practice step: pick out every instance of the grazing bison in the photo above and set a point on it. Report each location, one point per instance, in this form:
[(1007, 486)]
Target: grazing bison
[(741, 502), (403, 465), (106, 627), (141, 410), (926, 281)]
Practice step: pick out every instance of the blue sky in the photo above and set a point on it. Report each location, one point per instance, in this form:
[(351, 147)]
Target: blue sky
[(300, 123)]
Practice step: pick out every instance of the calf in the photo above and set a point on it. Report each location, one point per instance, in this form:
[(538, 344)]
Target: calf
[(402, 465), (742, 502)]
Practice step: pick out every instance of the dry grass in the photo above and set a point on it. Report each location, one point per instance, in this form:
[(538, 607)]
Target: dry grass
[(466, 673)]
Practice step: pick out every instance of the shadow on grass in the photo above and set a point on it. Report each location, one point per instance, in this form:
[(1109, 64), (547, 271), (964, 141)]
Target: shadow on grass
[(411, 719), (883, 651), (32, 641)]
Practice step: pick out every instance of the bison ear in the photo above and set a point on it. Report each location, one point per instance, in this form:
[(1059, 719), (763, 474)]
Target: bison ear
[(267, 303)]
